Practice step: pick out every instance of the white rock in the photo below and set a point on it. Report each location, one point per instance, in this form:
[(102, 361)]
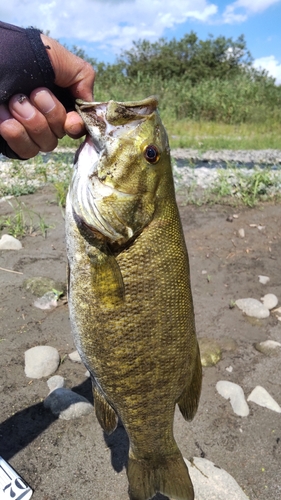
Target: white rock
[(67, 405), (55, 382), (75, 356), (41, 361), (87, 373), (234, 392), (229, 369), (269, 300), (268, 347), (263, 279), (253, 308), (48, 301), (261, 397), (8, 242), (241, 232), (213, 483)]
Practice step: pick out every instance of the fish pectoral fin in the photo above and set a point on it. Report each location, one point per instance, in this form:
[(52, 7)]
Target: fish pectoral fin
[(105, 414), (106, 278), (168, 476), (189, 399)]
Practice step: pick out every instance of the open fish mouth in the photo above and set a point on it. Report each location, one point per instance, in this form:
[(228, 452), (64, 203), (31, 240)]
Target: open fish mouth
[(106, 124)]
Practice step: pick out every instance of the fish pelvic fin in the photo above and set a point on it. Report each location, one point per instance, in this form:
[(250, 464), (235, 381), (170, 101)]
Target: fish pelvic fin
[(105, 414), (169, 476), (189, 399)]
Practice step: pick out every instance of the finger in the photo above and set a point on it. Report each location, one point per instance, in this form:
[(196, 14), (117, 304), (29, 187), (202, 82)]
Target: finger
[(51, 108), (15, 135), (33, 121), (74, 125)]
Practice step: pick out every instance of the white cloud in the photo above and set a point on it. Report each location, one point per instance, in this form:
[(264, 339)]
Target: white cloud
[(245, 8), (115, 23), (270, 64)]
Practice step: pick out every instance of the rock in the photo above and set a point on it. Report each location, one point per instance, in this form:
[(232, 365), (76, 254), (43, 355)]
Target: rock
[(234, 392), (263, 279), (55, 382), (261, 397), (229, 369), (75, 356), (278, 313), (87, 373), (241, 232), (228, 344), (47, 302), (41, 361), (39, 285), (269, 347), (210, 351), (253, 308), (67, 405), (269, 300), (8, 242), (210, 482)]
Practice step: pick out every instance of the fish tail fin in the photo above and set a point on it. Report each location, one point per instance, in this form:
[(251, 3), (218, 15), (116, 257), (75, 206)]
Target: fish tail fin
[(169, 476)]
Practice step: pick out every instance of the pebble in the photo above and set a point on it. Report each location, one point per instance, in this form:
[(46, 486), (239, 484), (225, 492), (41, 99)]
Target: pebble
[(241, 233), (210, 482), (48, 301), (229, 369), (268, 347), (67, 405), (263, 279), (75, 356), (8, 242), (55, 382), (41, 361), (261, 397), (39, 285), (235, 394), (269, 300), (253, 308), (210, 351)]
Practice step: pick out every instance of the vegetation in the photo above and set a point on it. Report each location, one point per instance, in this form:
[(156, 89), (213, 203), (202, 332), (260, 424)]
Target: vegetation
[(199, 84)]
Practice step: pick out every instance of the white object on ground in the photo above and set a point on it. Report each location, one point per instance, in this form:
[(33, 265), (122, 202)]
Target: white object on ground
[(11, 484), (269, 300), (8, 242), (253, 308), (211, 482), (48, 301), (241, 232), (41, 361), (67, 405), (235, 394), (55, 382), (229, 369), (75, 356), (261, 397), (263, 279)]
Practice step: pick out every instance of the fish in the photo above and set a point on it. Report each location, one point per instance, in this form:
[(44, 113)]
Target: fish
[(129, 293)]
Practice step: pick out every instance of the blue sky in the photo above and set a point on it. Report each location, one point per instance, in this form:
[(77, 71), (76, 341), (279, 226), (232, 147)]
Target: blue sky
[(104, 27)]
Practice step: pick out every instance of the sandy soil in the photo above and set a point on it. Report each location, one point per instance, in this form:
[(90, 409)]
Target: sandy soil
[(74, 459)]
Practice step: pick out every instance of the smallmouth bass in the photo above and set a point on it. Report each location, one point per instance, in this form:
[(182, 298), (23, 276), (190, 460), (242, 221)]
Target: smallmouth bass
[(130, 300)]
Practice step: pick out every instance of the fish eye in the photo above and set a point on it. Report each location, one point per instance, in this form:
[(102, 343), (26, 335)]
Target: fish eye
[(151, 153)]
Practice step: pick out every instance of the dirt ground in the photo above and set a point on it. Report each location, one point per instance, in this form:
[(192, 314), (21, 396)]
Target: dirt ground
[(74, 459)]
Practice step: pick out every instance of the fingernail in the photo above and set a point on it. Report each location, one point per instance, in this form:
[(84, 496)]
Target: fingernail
[(23, 107), (44, 101), (4, 113)]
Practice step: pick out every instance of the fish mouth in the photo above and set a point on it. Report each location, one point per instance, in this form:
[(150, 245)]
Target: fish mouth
[(105, 122)]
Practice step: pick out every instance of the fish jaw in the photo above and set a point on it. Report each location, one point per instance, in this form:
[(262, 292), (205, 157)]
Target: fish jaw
[(113, 187)]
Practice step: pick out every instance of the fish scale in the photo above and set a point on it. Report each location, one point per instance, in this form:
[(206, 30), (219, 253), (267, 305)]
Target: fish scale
[(130, 300)]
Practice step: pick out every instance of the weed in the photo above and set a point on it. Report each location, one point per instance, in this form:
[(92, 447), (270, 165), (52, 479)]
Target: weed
[(21, 221)]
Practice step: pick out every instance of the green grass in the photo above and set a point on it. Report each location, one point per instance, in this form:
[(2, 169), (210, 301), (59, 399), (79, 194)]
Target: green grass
[(23, 221)]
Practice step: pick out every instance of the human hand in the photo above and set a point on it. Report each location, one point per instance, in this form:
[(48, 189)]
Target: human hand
[(34, 124)]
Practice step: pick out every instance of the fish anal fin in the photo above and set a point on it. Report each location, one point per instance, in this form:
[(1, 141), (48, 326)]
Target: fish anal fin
[(169, 476), (105, 414), (189, 399), (107, 279)]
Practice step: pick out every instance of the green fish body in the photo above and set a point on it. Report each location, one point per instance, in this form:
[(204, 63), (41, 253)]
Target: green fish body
[(130, 300)]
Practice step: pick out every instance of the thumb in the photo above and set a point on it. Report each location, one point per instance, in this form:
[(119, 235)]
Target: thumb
[(70, 71)]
